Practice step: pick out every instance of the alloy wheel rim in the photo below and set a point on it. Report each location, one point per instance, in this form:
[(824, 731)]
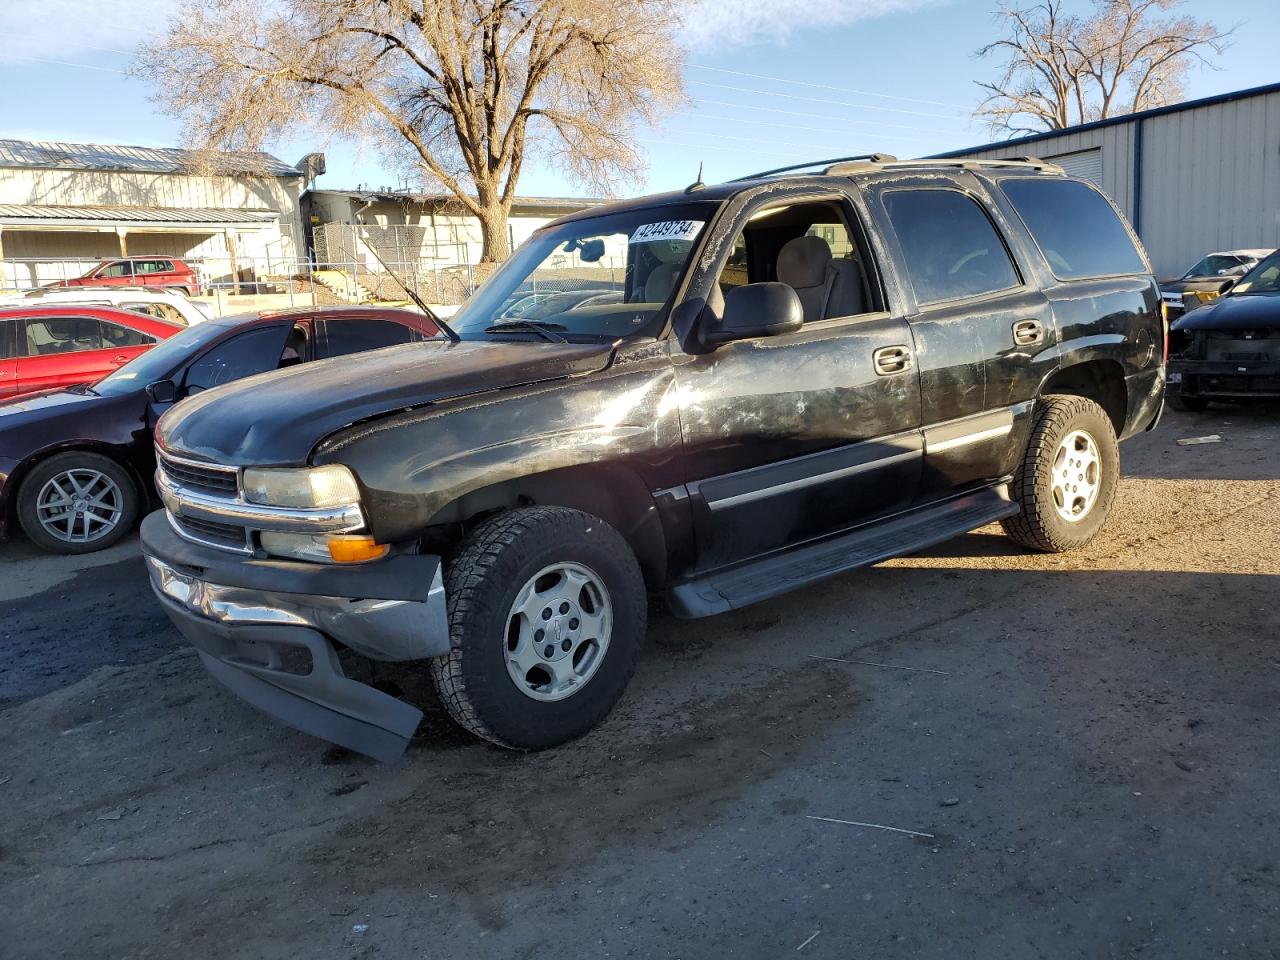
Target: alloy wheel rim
[(79, 505), (1077, 476), (558, 631)]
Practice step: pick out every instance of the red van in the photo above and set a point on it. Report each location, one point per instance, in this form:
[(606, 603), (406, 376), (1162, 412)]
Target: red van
[(139, 272), (59, 346)]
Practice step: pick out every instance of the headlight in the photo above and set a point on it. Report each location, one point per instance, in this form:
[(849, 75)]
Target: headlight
[(308, 488)]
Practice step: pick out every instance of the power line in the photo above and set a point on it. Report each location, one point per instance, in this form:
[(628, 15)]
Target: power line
[(838, 103), (832, 131), (711, 146), (81, 46), (817, 116), (68, 63), (833, 120), (826, 86)]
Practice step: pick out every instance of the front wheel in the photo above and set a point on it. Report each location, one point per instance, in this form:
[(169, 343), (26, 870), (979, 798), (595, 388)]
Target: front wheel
[(1068, 476), (77, 502), (547, 613)]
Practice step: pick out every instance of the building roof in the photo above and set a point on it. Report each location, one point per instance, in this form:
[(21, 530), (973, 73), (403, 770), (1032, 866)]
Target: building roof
[(23, 214), (446, 199), (45, 155), (1112, 121)]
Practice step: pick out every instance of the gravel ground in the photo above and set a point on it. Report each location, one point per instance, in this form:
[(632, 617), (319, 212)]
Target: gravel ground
[(1089, 742)]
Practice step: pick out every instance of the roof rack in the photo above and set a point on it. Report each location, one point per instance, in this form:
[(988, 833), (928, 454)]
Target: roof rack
[(846, 166), (829, 164)]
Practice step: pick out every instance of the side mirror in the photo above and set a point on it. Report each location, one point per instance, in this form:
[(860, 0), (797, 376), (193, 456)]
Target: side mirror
[(162, 391), (756, 310), (1227, 285)]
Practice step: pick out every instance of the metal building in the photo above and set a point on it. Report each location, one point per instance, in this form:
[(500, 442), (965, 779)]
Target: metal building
[(65, 205), (1193, 177)]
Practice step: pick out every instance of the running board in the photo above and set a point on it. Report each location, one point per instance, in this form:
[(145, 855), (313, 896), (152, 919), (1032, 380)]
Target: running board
[(779, 573)]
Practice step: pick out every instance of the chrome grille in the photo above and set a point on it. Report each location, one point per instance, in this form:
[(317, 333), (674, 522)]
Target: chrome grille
[(214, 534), (211, 478)]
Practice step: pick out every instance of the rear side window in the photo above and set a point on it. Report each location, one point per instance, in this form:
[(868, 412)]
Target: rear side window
[(50, 336), (7, 350), (355, 335), (1075, 227), (951, 247)]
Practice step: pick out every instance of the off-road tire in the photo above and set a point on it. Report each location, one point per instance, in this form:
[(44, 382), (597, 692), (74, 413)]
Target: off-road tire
[(482, 579), (1185, 404), (1037, 524), (76, 459)]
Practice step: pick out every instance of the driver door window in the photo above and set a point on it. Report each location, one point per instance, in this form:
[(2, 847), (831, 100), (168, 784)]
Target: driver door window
[(112, 271), (255, 351)]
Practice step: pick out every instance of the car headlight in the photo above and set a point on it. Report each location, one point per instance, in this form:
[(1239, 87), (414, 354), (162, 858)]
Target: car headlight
[(307, 488)]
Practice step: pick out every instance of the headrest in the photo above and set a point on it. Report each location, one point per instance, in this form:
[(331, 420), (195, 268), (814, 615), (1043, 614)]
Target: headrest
[(802, 262)]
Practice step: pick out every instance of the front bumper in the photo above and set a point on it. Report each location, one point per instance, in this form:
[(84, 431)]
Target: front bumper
[(1225, 381), (269, 631)]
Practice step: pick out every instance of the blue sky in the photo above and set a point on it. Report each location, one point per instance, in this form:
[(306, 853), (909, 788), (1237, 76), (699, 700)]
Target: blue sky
[(770, 83)]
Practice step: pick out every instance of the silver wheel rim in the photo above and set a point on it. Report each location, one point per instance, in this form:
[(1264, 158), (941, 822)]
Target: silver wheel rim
[(79, 505), (1077, 476), (558, 631)]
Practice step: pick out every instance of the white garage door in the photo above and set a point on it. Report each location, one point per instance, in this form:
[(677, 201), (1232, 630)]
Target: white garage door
[(1085, 164)]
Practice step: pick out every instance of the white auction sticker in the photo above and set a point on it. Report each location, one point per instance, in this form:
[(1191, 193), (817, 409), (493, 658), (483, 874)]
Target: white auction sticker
[(667, 230)]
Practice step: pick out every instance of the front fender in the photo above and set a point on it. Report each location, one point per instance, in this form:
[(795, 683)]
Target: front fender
[(413, 465)]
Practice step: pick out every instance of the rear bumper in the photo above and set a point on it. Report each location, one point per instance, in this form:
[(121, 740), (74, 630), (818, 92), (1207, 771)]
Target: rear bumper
[(1145, 393), (269, 631)]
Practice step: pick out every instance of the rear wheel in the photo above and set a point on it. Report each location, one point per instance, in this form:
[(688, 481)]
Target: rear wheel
[(547, 616), (1186, 404), (1068, 476), (77, 502)]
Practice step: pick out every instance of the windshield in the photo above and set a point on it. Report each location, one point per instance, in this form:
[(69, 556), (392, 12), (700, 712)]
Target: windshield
[(1215, 265), (159, 362), (597, 278), (1264, 278)]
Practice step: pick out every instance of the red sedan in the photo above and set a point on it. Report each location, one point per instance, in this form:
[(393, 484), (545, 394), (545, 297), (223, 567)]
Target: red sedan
[(168, 272), (44, 348)]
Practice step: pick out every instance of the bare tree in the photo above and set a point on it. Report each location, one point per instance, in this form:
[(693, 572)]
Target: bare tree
[(463, 90), (1061, 69)]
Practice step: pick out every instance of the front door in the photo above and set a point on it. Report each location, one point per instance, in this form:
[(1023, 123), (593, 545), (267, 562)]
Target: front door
[(791, 437)]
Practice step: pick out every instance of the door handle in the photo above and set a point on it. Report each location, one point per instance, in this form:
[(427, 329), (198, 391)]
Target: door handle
[(1027, 333), (891, 360)]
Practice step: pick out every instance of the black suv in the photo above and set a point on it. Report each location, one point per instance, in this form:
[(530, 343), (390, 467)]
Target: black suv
[(755, 386)]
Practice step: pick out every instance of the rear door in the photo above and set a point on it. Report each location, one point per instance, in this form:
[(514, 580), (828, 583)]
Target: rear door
[(338, 336), (8, 358), (982, 327)]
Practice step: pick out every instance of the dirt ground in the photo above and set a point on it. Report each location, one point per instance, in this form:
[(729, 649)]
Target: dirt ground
[(1090, 742)]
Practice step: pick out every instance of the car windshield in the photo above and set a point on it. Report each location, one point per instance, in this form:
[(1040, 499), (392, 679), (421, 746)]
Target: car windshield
[(1214, 265), (159, 362), (596, 278), (1264, 278)]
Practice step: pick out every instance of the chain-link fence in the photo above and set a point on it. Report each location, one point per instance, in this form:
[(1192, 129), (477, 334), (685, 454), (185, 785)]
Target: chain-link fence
[(350, 272)]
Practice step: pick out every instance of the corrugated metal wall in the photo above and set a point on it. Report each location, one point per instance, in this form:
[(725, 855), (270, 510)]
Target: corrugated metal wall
[(1210, 176)]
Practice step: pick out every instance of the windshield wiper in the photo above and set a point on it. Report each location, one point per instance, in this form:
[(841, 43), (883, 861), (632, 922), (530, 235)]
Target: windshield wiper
[(545, 330)]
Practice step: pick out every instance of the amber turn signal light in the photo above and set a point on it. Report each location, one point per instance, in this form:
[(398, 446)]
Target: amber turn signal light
[(356, 549)]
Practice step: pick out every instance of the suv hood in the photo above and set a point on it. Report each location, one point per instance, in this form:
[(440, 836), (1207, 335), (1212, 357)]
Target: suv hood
[(279, 417), (1236, 312)]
